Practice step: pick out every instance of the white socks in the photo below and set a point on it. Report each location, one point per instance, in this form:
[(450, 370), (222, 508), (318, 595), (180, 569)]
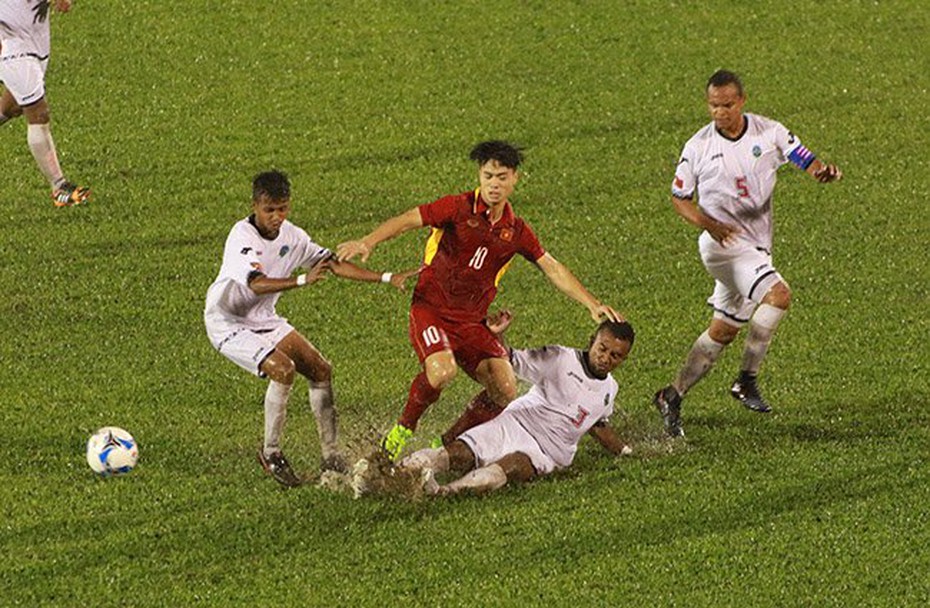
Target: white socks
[(321, 402), (761, 328), (480, 480), (275, 415), (700, 359), (43, 150), (428, 458)]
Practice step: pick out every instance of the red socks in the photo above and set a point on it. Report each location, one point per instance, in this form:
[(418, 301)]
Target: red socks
[(480, 409), (422, 395)]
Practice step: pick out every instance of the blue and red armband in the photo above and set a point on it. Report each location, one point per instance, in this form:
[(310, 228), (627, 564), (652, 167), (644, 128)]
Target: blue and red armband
[(801, 157)]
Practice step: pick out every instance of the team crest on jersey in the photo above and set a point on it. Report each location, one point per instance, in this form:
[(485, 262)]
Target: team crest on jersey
[(757, 150), (507, 234), (283, 251)]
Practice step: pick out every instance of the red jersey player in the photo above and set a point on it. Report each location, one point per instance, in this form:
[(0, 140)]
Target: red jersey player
[(474, 238)]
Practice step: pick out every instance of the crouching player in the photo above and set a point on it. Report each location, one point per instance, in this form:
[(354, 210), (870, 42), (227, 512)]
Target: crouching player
[(573, 394)]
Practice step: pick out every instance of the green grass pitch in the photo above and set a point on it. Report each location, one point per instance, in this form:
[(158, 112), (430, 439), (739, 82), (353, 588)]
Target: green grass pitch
[(169, 107)]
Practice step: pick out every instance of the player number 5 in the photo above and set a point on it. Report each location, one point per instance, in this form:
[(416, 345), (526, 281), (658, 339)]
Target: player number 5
[(742, 190)]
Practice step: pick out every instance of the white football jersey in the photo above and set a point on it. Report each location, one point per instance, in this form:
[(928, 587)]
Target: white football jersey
[(734, 178), (230, 301), (565, 400), (24, 28)]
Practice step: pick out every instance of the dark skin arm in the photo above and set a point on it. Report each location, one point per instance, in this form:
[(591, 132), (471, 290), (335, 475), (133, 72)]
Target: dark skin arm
[(607, 437), (261, 284)]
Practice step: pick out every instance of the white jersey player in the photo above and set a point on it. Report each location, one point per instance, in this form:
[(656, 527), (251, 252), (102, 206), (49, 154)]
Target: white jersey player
[(572, 394), (730, 167), (261, 254), (24, 55)]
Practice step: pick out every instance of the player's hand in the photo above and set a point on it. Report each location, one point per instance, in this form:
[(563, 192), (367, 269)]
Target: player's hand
[(317, 272), (725, 234), (348, 250), (399, 278), (828, 173), (499, 321), (602, 310)]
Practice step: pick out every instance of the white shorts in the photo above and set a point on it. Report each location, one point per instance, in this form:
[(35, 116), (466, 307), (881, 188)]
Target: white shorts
[(504, 435), (24, 78), (743, 274), (247, 347)]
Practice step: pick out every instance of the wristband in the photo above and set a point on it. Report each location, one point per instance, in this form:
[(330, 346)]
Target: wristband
[(386, 277), (301, 280)]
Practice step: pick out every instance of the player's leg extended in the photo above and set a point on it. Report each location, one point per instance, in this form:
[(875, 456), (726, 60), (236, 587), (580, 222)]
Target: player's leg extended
[(703, 354), (310, 363), (512, 467), (496, 375), (761, 330)]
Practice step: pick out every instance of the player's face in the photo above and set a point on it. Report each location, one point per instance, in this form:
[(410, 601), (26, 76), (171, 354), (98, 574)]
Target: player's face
[(726, 108), (497, 182), (607, 352), (270, 213)]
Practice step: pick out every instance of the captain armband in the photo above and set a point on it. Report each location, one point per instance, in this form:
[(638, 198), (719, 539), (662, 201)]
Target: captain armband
[(801, 158)]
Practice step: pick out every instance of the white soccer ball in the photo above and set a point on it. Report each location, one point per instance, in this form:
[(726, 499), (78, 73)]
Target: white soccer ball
[(112, 451)]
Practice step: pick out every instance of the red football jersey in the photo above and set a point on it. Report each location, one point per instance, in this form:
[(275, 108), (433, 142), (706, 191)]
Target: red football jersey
[(466, 256)]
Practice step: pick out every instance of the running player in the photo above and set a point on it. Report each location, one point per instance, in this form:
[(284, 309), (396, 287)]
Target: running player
[(24, 53), (731, 166), (573, 393), (261, 254), (473, 240)]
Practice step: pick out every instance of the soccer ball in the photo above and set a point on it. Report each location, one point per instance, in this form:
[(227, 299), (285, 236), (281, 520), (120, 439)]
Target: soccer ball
[(112, 451)]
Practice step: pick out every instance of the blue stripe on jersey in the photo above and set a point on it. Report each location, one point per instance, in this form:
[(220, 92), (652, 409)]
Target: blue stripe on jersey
[(801, 157)]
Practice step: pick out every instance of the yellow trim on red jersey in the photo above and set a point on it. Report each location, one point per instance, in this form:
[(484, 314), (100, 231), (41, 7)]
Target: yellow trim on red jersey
[(432, 245), (500, 273), (435, 235)]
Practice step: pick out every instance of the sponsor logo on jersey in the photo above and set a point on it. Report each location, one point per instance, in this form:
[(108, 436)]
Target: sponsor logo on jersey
[(717, 155), (757, 150), (283, 251), (576, 377), (245, 250)]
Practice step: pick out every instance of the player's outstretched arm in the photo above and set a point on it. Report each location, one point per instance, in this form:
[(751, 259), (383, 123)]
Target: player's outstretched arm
[(607, 437), (567, 283), (393, 227), (262, 284), (348, 270)]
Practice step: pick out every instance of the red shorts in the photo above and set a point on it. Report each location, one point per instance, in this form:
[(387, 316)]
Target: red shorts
[(471, 343)]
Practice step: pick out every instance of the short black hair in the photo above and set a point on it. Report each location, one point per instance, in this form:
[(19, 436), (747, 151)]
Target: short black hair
[(722, 78), (622, 330), (273, 184), (504, 153)]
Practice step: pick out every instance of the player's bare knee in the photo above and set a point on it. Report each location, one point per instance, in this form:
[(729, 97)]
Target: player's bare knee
[(279, 368), (518, 467), (722, 333), (441, 374), (778, 296)]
